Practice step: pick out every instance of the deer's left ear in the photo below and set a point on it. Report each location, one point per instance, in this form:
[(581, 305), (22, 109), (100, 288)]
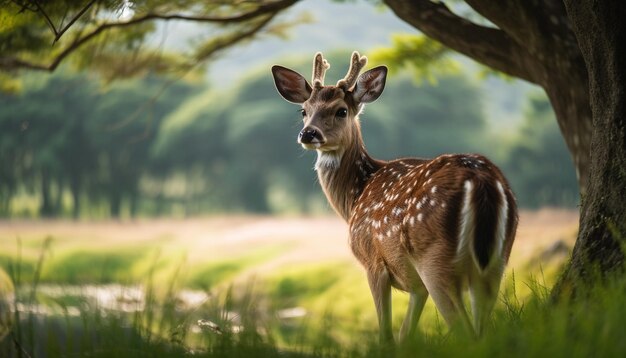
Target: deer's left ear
[(370, 85)]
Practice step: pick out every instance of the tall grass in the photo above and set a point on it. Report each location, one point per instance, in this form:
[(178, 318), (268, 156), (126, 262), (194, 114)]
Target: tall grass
[(243, 321)]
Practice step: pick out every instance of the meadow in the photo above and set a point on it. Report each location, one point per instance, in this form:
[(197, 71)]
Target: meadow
[(268, 286)]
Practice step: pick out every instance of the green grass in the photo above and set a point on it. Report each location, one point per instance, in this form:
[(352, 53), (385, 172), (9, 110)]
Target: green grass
[(92, 267), (592, 326), (207, 276), (340, 322)]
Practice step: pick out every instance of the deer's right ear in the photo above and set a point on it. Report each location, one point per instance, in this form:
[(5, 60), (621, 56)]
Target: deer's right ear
[(291, 85)]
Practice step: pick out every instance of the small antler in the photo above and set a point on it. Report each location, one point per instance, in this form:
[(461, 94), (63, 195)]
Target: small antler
[(320, 65), (356, 65)]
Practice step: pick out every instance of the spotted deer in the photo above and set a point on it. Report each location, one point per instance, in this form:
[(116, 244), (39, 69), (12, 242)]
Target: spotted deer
[(425, 226)]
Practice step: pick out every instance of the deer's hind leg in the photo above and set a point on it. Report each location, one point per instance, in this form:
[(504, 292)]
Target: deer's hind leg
[(446, 290), (483, 289)]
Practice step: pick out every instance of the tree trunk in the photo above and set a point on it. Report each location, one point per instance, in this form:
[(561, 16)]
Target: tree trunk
[(567, 89), (601, 34), (115, 202), (75, 189), (45, 209)]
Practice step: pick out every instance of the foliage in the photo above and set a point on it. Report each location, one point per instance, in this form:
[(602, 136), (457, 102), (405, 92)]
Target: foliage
[(423, 56), (539, 165), (117, 38)]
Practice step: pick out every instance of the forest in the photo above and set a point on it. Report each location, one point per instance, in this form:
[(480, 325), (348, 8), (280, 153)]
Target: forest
[(73, 146)]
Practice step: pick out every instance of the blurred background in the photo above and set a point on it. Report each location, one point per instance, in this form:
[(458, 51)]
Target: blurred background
[(118, 175), (76, 144)]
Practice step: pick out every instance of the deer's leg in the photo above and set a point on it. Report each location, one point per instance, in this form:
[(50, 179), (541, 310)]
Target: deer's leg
[(380, 285), (417, 299), (483, 294), (446, 293)]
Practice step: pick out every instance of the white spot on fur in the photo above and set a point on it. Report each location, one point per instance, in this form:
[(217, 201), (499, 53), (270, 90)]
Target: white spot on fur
[(434, 189), (412, 221), (420, 217), (433, 202)]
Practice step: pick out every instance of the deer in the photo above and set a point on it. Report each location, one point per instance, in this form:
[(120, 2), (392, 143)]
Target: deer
[(430, 227)]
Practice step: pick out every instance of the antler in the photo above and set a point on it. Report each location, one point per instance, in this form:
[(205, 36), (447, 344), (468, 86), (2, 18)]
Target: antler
[(320, 65), (356, 65)]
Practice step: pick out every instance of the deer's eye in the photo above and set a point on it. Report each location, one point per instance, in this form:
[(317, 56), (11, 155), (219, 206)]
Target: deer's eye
[(303, 112), (342, 113)]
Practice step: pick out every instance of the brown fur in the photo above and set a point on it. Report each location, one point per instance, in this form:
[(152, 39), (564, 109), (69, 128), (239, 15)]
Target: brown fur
[(425, 226)]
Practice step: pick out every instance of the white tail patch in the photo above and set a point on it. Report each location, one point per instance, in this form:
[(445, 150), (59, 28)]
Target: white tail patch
[(502, 220), (466, 229)]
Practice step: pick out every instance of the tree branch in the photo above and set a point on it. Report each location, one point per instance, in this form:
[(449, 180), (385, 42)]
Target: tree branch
[(13, 63), (73, 20), (46, 18), (541, 27), (489, 46)]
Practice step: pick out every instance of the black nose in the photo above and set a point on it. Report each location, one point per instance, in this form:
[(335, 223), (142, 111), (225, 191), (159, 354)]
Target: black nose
[(306, 135)]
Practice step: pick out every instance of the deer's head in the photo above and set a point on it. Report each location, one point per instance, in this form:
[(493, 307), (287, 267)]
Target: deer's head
[(330, 113)]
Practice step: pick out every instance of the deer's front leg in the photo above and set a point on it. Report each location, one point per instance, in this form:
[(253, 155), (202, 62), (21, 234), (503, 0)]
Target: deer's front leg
[(380, 285), (417, 299)]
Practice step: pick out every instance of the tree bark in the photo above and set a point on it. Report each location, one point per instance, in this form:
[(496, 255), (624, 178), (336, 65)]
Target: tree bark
[(601, 35)]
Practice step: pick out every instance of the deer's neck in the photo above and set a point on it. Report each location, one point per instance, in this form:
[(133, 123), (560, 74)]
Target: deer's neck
[(343, 175)]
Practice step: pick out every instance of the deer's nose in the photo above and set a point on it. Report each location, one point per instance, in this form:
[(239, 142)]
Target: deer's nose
[(307, 135)]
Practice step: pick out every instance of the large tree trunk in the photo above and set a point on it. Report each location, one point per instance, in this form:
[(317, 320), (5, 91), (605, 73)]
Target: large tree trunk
[(601, 33)]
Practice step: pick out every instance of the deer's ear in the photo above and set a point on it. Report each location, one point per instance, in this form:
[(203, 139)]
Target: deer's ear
[(370, 85), (291, 85)]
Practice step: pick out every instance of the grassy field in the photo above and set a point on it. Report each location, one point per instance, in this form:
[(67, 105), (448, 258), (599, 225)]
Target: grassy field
[(266, 286)]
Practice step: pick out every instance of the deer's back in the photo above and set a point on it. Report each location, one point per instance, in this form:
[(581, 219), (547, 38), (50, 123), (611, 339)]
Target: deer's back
[(411, 211)]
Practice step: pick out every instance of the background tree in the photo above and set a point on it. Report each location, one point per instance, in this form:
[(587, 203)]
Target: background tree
[(538, 163)]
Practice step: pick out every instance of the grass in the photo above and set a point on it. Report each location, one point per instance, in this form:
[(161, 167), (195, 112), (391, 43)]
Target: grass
[(590, 326), (242, 322), (245, 318)]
